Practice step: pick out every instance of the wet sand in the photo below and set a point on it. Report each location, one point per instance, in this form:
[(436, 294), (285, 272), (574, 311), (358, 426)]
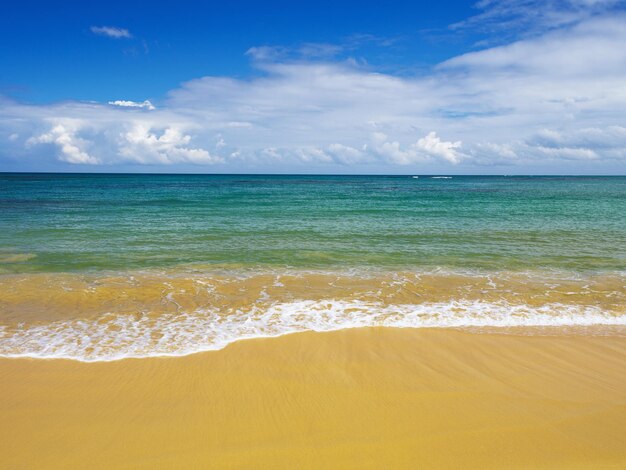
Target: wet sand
[(363, 398)]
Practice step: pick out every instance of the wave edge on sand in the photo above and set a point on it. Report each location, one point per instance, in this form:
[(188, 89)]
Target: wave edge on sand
[(111, 337)]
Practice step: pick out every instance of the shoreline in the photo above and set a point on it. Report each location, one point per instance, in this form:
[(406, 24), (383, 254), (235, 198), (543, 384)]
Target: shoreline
[(104, 317), (593, 330), (355, 398)]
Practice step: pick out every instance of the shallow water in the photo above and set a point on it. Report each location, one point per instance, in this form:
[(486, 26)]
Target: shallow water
[(101, 267)]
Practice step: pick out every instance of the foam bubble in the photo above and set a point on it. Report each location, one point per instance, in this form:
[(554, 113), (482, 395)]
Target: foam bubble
[(113, 337)]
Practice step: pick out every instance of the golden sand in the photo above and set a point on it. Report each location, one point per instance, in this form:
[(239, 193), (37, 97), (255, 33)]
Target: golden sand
[(366, 398)]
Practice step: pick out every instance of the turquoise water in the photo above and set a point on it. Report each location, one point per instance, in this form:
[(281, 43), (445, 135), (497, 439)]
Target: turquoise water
[(107, 267), (68, 222)]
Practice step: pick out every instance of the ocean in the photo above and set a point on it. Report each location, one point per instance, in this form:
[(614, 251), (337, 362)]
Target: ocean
[(98, 267)]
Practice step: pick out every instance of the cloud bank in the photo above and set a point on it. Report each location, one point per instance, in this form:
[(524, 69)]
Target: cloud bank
[(552, 102)]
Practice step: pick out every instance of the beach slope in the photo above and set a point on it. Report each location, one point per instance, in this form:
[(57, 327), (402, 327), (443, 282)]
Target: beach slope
[(362, 398)]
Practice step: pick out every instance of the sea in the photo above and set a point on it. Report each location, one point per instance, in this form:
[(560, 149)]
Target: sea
[(101, 267)]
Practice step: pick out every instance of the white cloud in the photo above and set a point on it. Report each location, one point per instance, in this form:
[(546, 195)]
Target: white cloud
[(312, 155), (392, 151), (508, 18), (319, 50), (346, 155), (142, 144), (71, 147), (133, 104), (433, 145), (426, 148), (265, 52), (567, 153), (589, 48), (546, 102), (490, 153), (220, 142), (111, 32), (109, 137)]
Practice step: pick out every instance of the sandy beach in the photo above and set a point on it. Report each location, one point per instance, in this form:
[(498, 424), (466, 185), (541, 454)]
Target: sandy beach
[(313, 235), (361, 398)]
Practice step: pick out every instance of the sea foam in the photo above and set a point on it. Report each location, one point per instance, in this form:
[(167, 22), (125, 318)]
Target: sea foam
[(112, 337)]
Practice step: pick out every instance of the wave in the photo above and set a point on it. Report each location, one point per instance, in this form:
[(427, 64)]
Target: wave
[(111, 337), (16, 257), (441, 177)]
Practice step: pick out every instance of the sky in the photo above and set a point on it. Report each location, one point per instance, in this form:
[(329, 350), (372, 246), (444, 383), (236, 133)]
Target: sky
[(450, 87)]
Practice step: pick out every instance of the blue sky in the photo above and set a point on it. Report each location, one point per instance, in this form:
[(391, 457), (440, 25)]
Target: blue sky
[(55, 56), (499, 86)]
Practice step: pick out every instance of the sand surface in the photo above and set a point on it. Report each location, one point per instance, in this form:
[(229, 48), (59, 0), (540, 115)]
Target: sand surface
[(365, 398)]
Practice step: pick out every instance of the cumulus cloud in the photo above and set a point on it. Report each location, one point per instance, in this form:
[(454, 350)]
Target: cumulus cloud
[(426, 148), (111, 32), (549, 101), (433, 145), (142, 144), (109, 136), (71, 147)]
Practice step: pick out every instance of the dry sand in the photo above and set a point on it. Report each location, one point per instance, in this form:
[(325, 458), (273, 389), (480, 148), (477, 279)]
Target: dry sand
[(367, 398)]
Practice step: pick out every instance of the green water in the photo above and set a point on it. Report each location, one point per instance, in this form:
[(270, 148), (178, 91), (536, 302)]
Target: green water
[(62, 222)]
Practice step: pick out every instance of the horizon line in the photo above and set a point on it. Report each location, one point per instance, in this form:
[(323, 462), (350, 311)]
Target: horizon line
[(306, 174)]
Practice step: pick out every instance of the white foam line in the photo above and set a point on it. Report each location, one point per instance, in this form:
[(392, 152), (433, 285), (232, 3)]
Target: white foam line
[(115, 337)]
